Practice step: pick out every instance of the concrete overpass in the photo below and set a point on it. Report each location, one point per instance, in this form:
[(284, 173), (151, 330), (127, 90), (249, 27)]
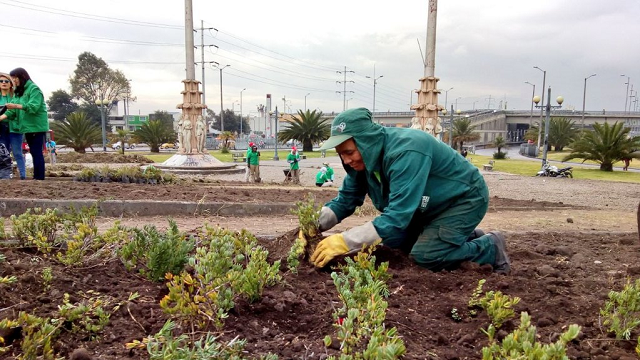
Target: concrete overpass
[(512, 124)]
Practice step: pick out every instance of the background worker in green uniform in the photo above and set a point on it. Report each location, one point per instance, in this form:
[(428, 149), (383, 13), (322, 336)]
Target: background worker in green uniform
[(294, 168), (322, 178), (430, 198), (329, 170), (253, 163)]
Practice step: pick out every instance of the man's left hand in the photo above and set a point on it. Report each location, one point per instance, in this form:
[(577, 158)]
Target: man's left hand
[(329, 248)]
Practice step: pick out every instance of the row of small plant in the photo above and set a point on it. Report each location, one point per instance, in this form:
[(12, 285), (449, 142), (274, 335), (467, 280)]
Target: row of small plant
[(126, 174), (223, 267)]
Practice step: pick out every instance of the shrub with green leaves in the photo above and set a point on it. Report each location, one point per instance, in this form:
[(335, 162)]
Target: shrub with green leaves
[(499, 307), (157, 253), (360, 325), (165, 346), (9, 279), (308, 213), (227, 265), (36, 227), (621, 313), (522, 343)]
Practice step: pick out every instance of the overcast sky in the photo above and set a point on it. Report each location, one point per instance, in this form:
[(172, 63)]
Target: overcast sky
[(485, 50)]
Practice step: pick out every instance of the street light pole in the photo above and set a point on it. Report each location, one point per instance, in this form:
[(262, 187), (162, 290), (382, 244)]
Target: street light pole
[(548, 107), (102, 102), (584, 97), (375, 81), (532, 95), (275, 155), (626, 94), (451, 128), (221, 107), (241, 121), (544, 79), (446, 96), (305, 102)]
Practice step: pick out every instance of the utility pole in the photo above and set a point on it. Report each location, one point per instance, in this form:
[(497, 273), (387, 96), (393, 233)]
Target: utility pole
[(202, 46), (375, 81), (489, 98), (344, 83)]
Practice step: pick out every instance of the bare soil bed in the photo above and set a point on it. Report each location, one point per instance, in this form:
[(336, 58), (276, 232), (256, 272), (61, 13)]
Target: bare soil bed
[(562, 278)]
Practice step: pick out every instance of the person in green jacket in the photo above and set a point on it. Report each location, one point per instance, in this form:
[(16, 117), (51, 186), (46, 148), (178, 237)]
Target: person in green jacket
[(322, 178), (294, 168), (430, 198), (15, 136), (6, 93), (253, 163), (329, 170), (28, 112)]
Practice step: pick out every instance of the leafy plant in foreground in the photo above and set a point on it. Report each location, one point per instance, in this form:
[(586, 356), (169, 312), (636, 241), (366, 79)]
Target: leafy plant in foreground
[(499, 307), (621, 313), (161, 253), (9, 279), (360, 322), (36, 227), (522, 344), (164, 346), (308, 214), (228, 265), (474, 300)]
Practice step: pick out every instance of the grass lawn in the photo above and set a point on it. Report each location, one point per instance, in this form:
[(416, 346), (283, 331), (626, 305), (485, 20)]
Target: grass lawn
[(530, 168), (559, 155)]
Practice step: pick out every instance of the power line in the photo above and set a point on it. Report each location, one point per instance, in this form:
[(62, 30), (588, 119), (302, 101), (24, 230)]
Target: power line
[(53, 58), (50, 10)]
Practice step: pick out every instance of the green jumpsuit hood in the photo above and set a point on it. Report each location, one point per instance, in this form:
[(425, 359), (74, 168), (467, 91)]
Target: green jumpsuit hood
[(357, 124)]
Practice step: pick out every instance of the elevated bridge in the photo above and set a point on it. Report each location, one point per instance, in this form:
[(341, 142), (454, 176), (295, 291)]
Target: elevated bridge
[(512, 124)]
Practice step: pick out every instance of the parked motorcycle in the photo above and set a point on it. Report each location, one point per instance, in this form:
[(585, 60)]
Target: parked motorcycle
[(549, 170)]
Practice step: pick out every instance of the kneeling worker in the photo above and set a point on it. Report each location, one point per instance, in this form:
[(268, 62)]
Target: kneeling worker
[(322, 178), (430, 198)]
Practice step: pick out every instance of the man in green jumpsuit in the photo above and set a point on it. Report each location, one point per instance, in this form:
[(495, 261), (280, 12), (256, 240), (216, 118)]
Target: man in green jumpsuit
[(253, 163), (294, 167), (329, 170), (429, 197)]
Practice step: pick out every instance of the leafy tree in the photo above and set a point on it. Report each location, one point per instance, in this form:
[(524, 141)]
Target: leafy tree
[(307, 127), (463, 132), (77, 132), (94, 80), (561, 132), (163, 116), (154, 133), (210, 116), (61, 104), (231, 122), (606, 144), (92, 111), (532, 134)]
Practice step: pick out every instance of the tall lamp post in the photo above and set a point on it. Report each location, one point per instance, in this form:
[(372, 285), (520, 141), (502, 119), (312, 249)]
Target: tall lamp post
[(626, 94), (544, 79), (102, 102), (275, 153), (221, 107), (305, 102), (548, 107), (446, 96), (533, 93), (375, 81), (584, 97), (241, 121)]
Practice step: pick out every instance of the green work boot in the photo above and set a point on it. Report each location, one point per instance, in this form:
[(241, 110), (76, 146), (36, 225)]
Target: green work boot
[(502, 264)]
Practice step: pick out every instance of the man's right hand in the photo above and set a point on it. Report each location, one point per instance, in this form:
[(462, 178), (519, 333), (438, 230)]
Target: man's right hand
[(327, 219)]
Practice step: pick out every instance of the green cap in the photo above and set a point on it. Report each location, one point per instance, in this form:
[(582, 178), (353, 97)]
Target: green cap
[(347, 124)]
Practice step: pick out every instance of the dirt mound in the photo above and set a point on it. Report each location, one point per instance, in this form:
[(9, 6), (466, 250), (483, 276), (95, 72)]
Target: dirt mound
[(101, 157)]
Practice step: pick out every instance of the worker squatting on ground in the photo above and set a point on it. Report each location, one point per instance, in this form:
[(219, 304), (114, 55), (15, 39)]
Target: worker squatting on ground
[(430, 198), (322, 178)]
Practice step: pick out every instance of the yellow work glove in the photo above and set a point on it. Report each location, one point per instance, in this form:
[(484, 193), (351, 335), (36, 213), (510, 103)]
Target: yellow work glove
[(329, 248)]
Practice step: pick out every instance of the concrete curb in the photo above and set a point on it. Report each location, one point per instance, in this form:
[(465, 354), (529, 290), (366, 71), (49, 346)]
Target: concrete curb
[(117, 208)]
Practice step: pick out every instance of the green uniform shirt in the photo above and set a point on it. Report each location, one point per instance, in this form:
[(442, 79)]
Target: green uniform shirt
[(32, 117), (321, 177), (329, 172), (253, 158), (293, 161), (410, 176)]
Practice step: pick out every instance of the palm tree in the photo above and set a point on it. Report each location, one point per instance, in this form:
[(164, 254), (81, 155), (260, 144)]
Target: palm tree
[(122, 136), (226, 136), (154, 133), (463, 132), (77, 131), (307, 127), (499, 142), (606, 144), (561, 132)]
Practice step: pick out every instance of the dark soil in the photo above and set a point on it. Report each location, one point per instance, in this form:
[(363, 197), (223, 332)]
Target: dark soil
[(101, 157), (219, 191), (562, 278)]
